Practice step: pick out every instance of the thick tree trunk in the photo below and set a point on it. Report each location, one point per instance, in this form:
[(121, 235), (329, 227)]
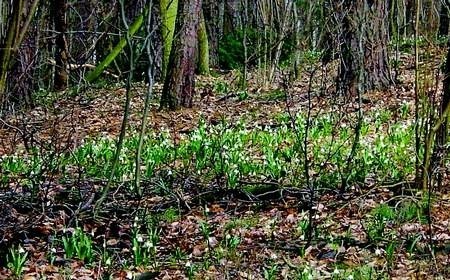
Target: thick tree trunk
[(61, 55), (364, 24), (178, 89)]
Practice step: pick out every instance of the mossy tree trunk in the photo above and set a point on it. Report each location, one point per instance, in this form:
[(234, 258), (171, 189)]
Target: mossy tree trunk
[(178, 89), (133, 28), (168, 9), (203, 47)]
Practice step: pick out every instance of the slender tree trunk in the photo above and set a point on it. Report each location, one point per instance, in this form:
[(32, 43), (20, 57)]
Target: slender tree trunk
[(213, 20), (178, 89), (203, 47), (442, 134), (20, 13), (7, 45), (444, 18), (409, 16), (61, 55), (168, 17)]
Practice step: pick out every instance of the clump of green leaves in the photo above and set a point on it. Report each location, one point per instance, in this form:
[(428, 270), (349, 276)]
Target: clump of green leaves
[(16, 260), (144, 246), (376, 222), (78, 244)]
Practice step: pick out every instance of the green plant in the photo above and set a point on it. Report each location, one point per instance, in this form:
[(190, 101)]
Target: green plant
[(79, 245), (170, 215), (271, 272), (302, 227), (178, 255), (390, 253), (304, 273), (221, 87), (106, 257), (365, 272), (231, 49), (411, 242), (144, 247), (242, 95), (404, 110), (244, 223), (409, 211), (190, 270), (376, 222), (205, 230), (274, 95), (232, 241), (16, 260)]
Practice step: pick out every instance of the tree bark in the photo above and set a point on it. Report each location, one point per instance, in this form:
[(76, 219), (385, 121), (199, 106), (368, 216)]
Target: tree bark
[(364, 22), (178, 89), (203, 47), (168, 9), (213, 20), (444, 129), (59, 8), (7, 45), (20, 13), (444, 18)]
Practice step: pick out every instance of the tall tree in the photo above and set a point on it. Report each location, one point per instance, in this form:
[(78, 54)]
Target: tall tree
[(444, 18), (15, 18), (168, 10), (178, 89), (59, 8), (203, 47), (364, 46), (213, 13)]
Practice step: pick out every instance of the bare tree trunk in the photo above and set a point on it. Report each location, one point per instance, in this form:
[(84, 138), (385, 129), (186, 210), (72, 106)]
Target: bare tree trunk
[(12, 34), (375, 66), (444, 18), (178, 87), (61, 55), (7, 44), (409, 16), (211, 12)]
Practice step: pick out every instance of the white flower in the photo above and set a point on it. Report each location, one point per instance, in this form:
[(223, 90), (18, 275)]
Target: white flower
[(336, 271), (21, 250), (139, 238)]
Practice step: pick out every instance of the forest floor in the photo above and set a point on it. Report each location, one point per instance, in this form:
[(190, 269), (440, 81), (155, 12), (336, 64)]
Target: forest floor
[(204, 231)]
